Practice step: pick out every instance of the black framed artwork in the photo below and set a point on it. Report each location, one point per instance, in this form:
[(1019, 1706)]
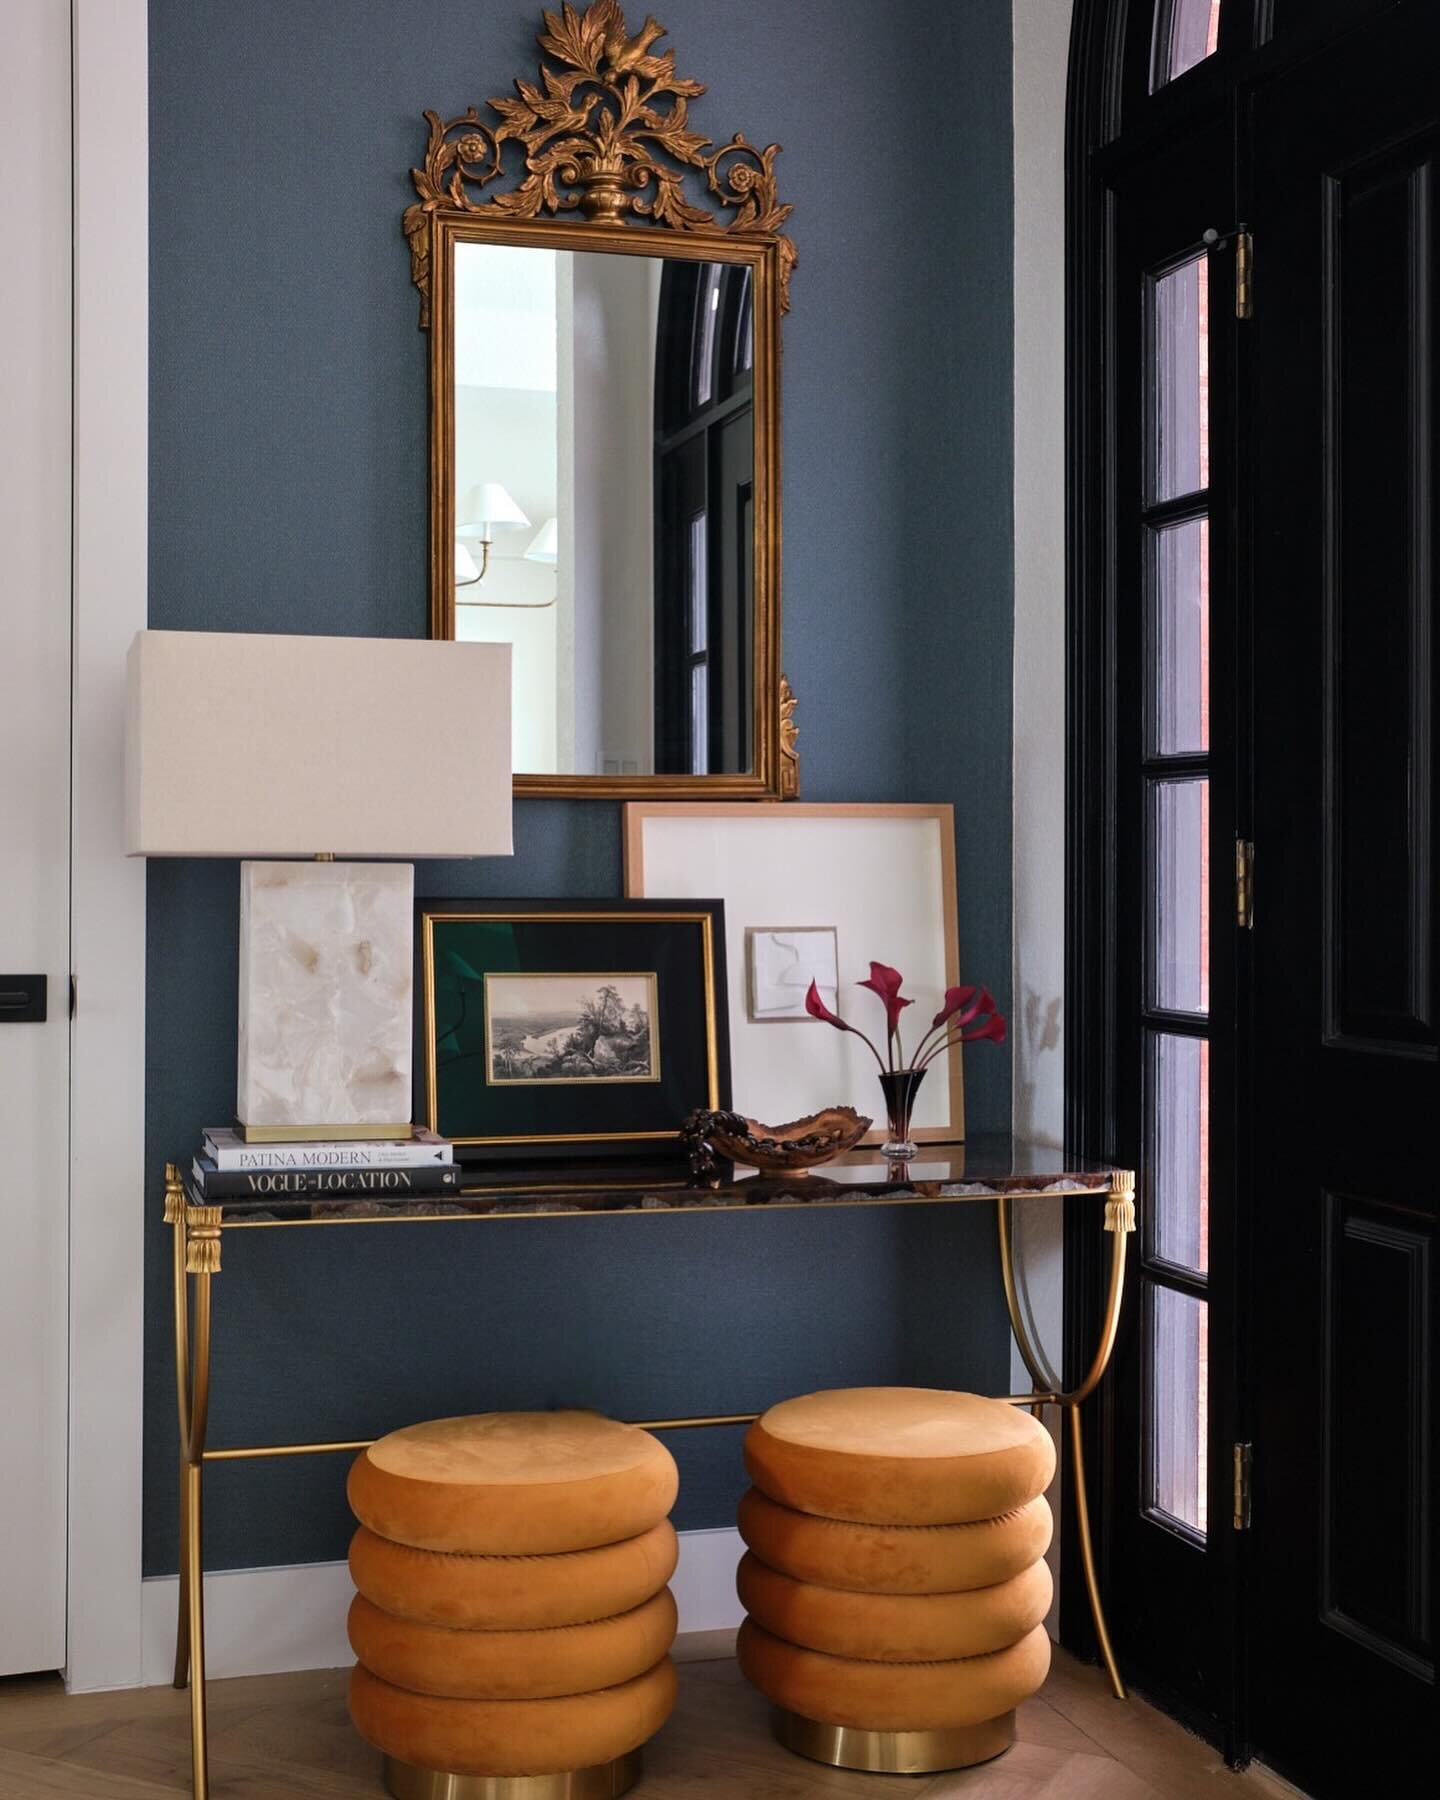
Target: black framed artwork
[(564, 1027)]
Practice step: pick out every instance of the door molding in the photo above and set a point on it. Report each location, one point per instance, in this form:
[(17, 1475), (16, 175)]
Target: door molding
[(110, 147)]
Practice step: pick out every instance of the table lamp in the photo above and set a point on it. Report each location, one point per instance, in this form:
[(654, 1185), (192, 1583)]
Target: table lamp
[(261, 747)]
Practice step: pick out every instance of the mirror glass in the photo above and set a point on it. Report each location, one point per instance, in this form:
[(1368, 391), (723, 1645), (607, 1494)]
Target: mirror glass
[(604, 527)]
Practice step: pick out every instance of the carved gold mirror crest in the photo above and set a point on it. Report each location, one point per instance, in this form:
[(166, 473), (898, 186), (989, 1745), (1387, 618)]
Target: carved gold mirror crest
[(604, 449)]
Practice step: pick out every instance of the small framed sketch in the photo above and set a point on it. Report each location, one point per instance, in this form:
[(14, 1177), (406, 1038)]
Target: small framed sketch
[(780, 964), (553, 1027)]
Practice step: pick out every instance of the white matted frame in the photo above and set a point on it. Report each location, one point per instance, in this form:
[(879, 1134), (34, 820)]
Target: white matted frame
[(883, 876)]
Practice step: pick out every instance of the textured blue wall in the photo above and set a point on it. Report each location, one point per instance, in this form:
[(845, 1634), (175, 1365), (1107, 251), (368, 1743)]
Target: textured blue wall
[(287, 493)]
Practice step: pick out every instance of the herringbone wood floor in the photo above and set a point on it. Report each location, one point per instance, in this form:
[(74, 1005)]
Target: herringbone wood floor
[(286, 1737)]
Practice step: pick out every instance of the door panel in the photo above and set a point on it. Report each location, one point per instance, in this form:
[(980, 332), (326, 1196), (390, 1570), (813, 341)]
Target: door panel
[(34, 825), (1378, 597), (1377, 1333), (1344, 1198)]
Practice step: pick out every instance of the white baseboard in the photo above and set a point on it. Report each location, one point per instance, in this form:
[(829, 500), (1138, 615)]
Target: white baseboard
[(271, 1621)]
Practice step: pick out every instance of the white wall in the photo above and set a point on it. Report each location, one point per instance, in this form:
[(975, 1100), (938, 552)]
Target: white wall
[(1041, 43), (612, 518)]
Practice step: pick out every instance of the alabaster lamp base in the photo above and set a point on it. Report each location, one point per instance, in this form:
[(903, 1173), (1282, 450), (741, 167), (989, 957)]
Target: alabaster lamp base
[(326, 988)]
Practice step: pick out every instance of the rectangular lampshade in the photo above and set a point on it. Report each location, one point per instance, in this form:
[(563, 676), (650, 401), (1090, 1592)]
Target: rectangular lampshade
[(240, 744)]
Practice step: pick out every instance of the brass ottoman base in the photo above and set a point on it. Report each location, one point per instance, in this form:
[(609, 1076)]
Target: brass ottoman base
[(604, 1781), (894, 1752)]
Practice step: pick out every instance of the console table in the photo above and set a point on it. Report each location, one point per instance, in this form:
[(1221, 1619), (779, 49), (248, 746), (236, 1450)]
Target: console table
[(999, 1171)]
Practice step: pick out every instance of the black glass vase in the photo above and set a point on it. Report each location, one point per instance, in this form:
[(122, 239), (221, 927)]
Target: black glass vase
[(900, 1088)]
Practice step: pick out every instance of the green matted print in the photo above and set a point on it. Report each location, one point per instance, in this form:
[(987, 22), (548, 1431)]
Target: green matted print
[(554, 1027)]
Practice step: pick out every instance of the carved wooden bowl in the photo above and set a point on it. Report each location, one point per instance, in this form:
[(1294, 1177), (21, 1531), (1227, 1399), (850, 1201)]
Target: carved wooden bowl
[(793, 1148)]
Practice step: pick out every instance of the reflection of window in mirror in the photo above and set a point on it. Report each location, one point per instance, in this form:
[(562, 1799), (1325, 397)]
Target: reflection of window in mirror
[(604, 461), (704, 475)]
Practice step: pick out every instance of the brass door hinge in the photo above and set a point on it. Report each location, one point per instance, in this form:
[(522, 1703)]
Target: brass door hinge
[(1244, 274), (1244, 1457), (1244, 884)]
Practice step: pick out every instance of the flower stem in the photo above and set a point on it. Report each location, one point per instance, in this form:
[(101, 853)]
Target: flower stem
[(951, 1042)]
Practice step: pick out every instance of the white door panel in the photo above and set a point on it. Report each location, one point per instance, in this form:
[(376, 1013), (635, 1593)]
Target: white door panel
[(34, 822)]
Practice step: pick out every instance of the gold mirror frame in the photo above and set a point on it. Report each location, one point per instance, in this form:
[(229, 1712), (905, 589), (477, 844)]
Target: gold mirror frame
[(595, 142)]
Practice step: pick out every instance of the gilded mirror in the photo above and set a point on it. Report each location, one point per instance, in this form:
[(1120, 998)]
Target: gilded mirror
[(604, 419)]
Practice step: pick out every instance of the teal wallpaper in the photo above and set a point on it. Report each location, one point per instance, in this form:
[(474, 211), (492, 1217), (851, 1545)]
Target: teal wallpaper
[(287, 484)]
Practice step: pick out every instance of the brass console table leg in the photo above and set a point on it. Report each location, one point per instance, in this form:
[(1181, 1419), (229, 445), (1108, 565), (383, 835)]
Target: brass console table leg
[(196, 1258), (1119, 1222), (175, 1219)]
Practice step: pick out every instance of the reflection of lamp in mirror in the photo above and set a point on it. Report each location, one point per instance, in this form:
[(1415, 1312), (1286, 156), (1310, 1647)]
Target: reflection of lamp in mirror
[(544, 547), (466, 572), (487, 505)]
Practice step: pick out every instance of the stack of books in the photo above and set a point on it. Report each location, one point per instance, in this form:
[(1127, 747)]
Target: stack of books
[(229, 1168)]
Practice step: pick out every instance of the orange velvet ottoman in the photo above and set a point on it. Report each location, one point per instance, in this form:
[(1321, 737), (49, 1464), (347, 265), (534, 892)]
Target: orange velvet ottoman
[(512, 1624), (894, 1582)]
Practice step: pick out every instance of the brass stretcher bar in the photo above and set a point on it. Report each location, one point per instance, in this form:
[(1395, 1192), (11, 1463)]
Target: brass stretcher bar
[(196, 1233)]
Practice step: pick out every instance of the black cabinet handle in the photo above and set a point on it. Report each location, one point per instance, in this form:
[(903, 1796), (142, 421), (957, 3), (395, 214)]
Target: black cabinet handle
[(22, 999)]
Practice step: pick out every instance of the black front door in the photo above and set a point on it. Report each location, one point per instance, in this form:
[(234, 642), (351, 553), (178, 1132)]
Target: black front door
[(1251, 960), (1342, 1208)]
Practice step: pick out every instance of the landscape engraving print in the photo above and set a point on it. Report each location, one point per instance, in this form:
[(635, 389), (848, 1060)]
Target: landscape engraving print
[(570, 1028)]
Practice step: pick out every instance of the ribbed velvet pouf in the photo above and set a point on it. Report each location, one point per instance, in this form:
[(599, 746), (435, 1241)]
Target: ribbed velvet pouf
[(894, 1582), (512, 1623)]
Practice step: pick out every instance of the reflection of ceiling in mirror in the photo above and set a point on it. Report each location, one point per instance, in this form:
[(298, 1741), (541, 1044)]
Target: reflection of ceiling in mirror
[(505, 317)]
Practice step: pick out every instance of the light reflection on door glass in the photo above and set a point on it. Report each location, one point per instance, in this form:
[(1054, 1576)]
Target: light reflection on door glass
[(1179, 1407), (1180, 381), (1179, 631), (1179, 906), (1186, 32), (1177, 1169)]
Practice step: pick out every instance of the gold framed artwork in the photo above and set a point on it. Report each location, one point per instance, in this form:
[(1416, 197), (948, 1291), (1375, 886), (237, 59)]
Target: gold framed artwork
[(561, 1027), (880, 878)]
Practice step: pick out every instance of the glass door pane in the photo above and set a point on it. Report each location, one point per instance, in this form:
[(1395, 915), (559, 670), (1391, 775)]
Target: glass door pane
[(1179, 384), (1179, 979), (1178, 1150), (1186, 32), (1179, 633), (1179, 1407)]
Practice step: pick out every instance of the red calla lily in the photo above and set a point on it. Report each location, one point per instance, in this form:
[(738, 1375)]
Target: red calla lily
[(955, 998), (817, 1009), (993, 1028), (885, 982), (969, 1015)]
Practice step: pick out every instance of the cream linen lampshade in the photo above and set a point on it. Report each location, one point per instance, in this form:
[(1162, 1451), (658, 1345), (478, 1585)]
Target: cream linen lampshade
[(246, 745)]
